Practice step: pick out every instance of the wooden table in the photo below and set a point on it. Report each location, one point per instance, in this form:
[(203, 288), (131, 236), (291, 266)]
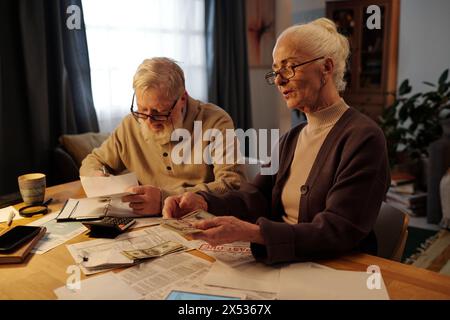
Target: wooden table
[(41, 274)]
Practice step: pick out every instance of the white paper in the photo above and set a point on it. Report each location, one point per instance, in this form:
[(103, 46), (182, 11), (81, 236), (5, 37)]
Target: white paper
[(140, 239), (233, 254), (154, 278), (315, 282), (4, 214), (57, 232), (103, 287), (108, 186), (194, 282), (252, 276)]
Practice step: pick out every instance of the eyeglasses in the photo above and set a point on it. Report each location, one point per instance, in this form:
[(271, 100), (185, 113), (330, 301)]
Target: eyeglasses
[(154, 117), (287, 72)]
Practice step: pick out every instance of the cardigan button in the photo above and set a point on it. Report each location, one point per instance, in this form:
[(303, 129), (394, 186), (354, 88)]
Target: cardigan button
[(304, 189)]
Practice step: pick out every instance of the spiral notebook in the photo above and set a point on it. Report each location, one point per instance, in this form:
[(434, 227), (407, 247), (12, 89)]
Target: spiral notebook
[(94, 209)]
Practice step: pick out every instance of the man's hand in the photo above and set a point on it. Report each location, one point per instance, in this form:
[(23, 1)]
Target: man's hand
[(178, 206), (146, 201), (222, 230)]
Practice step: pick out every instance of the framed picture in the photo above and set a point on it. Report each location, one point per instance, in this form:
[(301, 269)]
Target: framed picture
[(260, 32)]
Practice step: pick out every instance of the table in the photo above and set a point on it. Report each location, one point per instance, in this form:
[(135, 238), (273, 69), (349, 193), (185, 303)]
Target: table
[(41, 274)]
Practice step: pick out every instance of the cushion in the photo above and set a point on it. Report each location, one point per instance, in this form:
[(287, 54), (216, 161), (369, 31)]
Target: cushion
[(80, 145)]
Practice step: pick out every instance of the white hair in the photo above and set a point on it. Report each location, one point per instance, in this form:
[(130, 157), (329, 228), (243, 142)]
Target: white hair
[(162, 74), (321, 38)]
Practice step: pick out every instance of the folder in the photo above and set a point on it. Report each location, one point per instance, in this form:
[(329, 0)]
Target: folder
[(86, 209), (22, 253)]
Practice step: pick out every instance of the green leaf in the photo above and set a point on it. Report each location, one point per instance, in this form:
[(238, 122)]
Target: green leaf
[(405, 88), (429, 84), (443, 77)]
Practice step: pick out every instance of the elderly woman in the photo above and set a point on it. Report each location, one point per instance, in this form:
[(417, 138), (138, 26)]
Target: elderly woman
[(333, 173)]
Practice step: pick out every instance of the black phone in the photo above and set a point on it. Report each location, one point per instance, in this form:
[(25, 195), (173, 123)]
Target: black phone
[(15, 237)]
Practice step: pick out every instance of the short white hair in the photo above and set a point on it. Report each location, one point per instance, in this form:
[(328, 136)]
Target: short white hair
[(321, 38), (162, 74)]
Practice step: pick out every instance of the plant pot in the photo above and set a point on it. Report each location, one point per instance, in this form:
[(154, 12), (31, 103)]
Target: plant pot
[(439, 152)]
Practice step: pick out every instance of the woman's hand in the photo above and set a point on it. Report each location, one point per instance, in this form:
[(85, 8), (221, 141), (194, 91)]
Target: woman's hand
[(178, 206), (221, 230)]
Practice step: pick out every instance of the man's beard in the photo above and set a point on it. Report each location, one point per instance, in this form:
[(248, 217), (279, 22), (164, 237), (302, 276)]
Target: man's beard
[(162, 136)]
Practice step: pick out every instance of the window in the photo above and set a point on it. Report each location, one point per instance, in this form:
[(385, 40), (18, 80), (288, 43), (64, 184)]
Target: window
[(121, 34)]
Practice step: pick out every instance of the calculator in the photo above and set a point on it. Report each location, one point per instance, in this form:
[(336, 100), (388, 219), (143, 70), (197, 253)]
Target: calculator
[(108, 227)]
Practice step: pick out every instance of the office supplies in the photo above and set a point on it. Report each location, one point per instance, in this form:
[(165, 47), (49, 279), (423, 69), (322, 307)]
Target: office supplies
[(95, 249), (31, 210), (93, 209), (110, 186), (57, 233), (17, 236), (103, 287), (192, 294), (19, 255), (10, 218), (250, 276), (5, 212), (108, 227), (316, 282)]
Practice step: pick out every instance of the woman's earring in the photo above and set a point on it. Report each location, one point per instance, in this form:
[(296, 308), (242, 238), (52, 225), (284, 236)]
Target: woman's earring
[(323, 81)]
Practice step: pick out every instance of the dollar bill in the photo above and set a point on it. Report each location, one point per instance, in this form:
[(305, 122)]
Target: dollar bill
[(154, 252), (184, 226)]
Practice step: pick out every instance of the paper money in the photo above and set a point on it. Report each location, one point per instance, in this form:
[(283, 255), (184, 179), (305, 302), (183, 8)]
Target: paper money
[(154, 252), (184, 225)]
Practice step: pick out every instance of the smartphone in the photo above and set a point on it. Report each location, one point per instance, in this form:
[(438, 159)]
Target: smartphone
[(15, 237)]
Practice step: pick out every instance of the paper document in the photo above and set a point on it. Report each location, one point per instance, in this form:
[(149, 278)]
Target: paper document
[(195, 283), (4, 214), (232, 254), (57, 233), (253, 276), (155, 278), (111, 186), (107, 253), (313, 281), (103, 287)]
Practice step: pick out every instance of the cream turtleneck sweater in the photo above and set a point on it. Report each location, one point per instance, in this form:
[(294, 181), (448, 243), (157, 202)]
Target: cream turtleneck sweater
[(309, 142)]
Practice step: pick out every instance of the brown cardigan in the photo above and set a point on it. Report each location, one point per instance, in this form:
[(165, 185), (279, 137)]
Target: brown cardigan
[(339, 201)]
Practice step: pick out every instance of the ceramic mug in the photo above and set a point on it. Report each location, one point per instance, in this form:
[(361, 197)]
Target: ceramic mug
[(32, 188)]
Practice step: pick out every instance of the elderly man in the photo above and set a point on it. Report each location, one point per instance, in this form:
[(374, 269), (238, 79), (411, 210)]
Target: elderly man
[(142, 142)]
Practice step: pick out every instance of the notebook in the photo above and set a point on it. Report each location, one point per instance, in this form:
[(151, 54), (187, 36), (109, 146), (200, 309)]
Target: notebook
[(21, 254), (94, 209)]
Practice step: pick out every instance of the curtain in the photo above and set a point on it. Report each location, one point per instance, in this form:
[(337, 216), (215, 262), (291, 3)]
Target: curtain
[(226, 59), (120, 38), (45, 85)]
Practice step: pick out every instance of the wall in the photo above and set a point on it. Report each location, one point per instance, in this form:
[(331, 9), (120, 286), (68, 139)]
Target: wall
[(424, 48)]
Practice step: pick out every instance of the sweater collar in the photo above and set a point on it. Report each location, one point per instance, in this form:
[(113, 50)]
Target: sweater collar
[(326, 117)]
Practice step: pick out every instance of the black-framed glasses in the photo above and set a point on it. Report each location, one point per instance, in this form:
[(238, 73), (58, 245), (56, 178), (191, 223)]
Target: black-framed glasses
[(154, 117), (287, 72)]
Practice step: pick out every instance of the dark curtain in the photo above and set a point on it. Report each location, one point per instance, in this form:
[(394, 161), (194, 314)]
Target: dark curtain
[(226, 57), (45, 85)]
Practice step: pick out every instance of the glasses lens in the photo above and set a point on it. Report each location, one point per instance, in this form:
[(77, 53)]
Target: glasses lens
[(287, 73), (270, 77)]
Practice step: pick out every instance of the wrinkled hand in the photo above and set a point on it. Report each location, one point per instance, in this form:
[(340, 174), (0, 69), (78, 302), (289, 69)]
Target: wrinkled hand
[(178, 206), (222, 230), (145, 201)]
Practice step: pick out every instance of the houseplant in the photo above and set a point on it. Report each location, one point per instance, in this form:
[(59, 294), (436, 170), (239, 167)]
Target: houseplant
[(413, 122)]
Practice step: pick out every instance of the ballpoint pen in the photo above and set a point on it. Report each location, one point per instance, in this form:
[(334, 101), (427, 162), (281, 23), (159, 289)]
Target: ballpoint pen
[(11, 217)]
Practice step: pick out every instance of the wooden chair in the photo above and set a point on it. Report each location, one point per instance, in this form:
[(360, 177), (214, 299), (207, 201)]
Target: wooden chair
[(391, 230)]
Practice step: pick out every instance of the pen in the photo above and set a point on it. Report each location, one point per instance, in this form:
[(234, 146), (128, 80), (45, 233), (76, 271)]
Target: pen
[(104, 171), (11, 217)]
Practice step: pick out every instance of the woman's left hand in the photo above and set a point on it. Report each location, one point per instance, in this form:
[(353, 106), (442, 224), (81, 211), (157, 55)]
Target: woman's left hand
[(221, 230)]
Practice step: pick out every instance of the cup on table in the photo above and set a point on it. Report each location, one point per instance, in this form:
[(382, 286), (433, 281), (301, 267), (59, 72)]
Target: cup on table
[(32, 188)]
